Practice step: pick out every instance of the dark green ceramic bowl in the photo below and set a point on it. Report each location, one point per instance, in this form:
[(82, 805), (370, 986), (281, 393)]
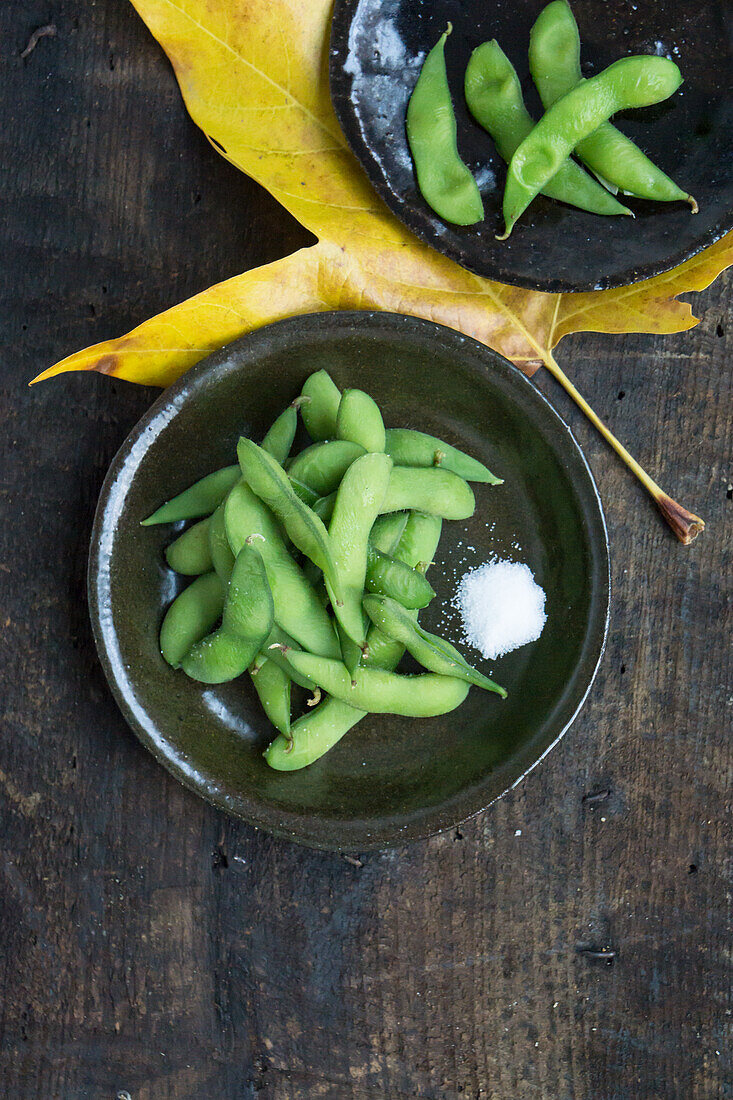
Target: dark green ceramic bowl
[(390, 779)]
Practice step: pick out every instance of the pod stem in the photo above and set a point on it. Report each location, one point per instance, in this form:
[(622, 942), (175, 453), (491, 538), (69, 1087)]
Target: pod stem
[(686, 525)]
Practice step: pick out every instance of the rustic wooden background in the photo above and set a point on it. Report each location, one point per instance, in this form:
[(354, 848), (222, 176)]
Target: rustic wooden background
[(570, 943)]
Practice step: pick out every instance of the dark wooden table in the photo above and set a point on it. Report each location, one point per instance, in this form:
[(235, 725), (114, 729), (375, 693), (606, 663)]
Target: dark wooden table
[(569, 944)]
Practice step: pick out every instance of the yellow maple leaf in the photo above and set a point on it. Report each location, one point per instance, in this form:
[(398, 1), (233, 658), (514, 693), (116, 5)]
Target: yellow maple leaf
[(254, 77)]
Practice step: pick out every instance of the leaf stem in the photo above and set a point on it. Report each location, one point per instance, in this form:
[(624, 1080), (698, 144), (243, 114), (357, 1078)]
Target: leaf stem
[(686, 525)]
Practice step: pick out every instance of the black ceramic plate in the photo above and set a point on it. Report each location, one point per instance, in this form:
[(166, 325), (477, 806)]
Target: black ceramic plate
[(377, 48), (390, 779)]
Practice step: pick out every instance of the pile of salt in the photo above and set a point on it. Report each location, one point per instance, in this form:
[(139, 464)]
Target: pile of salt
[(502, 607)]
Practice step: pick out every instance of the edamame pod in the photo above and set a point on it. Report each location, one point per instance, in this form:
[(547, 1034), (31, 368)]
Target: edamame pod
[(445, 182), (190, 617), (351, 651), (387, 531), (247, 620), (358, 502), (297, 608), (630, 82), (306, 495), (554, 62), (200, 499), (416, 548), (220, 551), (272, 685), (323, 507), (319, 414), (435, 490), (419, 540), (272, 651), (321, 466), (360, 421), (189, 553), (270, 483), (380, 692), (320, 729), (386, 576), (411, 448), (312, 735), (494, 98), (432, 651), (279, 439)]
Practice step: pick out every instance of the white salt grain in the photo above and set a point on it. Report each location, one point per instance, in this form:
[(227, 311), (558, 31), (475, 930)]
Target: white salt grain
[(502, 607)]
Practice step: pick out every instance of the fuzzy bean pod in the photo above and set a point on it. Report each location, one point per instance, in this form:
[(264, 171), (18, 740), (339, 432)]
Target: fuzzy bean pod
[(445, 182), (247, 620), (319, 413), (554, 62), (431, 651), (494, 98), (630, 82), (200, 499), (189, 554), (190, 617), (436, 491)]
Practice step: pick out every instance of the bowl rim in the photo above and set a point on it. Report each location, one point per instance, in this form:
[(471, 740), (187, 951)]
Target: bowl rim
[(415, 220), (328, 834)]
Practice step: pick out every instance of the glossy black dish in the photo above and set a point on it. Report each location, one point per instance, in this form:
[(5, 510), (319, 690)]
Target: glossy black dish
[(377, 48), (390, 779)]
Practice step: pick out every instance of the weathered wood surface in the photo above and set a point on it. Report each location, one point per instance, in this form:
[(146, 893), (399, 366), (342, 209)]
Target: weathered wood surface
[(152, 947)]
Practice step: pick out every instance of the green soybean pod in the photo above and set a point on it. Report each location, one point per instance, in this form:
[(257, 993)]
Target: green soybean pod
[(323, 507), (387, 531), (189, 553), (494, 98), (312, 735), (220, 551), (351, 651), (419, 540), (305, 493), (434, 490), (297, 608), (272, 685), (358, 502), (319, 730), (386, 576), (273, 651), (267, 479), (200, 499), (279, 439), (321, 466), (190, 617), (554, 62), (247, 620), (630, 82), (432, 651), (360, 421), (380, 692), (416, 548), (410, 448), (445, 182), (319, 414)]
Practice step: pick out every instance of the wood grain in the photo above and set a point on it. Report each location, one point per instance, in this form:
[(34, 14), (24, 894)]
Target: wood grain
[(569, 943)]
